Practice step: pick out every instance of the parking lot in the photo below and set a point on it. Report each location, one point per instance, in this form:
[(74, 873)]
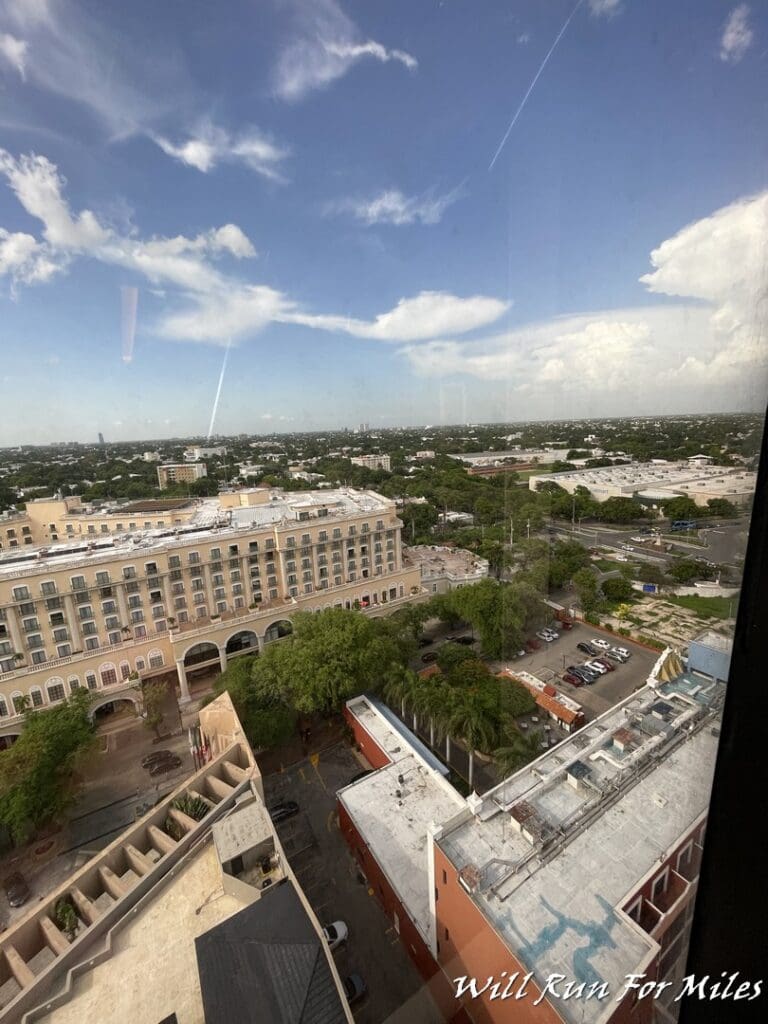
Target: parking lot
[(610, 688), (330, 878)]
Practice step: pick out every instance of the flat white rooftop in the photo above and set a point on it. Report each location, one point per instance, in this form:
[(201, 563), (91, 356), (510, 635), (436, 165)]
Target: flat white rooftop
[(394, 817), (437, 561), (209, 522), (600, 810)]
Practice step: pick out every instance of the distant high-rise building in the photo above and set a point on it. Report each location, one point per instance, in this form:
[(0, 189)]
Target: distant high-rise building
[(101, 439)]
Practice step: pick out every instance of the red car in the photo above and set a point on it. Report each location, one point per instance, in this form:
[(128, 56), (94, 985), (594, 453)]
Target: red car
[(565, 624), (532, 645), (607, 662), (569, 677)]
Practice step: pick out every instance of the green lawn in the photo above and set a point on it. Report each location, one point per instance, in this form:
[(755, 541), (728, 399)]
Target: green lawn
[(707, 607)]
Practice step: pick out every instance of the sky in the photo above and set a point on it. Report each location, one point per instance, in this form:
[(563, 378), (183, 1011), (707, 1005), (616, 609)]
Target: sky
[(309, 214)]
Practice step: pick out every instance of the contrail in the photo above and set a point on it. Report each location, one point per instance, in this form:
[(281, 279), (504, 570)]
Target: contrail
[(536, 77), (218, 389), (129, 296)]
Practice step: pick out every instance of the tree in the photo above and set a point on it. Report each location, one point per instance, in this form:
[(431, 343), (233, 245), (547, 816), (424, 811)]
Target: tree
[(332, 655), (620, 510), (154, 694), (37, 774), (681, 508), (685, 570), (721, 507), (450, 656), (471, 721), (617, 589), (267, 719), (518, 749), (585, 582)]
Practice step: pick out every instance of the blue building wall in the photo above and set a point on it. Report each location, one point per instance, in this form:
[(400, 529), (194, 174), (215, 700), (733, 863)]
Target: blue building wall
[(709, 660)]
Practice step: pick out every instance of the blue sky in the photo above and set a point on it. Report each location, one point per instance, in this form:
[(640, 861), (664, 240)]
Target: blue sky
[(313, 184)]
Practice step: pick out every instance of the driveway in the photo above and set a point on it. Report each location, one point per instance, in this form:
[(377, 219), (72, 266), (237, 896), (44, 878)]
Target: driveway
[(330, 878)]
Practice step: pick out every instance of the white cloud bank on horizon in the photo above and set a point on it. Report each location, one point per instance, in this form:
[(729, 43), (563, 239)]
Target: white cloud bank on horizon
[(326, 45), (716, 339)]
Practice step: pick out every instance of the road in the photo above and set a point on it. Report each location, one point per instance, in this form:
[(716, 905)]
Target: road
[(725, 543)]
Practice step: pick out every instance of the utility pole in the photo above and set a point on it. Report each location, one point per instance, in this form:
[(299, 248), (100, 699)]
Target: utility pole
[(528, 528), (573, 514)]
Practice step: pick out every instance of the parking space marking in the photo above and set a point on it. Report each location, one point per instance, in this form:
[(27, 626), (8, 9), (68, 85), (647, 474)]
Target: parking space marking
[(331, 821)]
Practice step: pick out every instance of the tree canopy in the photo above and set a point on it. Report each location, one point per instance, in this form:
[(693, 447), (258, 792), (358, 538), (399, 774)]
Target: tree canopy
[(37, 774)]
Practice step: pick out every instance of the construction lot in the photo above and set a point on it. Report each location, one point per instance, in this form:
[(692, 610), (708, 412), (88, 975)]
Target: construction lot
[(550, 661)]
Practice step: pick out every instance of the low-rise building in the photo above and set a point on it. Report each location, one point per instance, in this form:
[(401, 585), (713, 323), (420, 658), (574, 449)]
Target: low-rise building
[(180, 473), (443, 569), (657, 481), (372, 461), (196, 453), (582, 866)]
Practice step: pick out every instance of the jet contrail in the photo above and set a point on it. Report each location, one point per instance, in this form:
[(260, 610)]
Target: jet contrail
[(129, 296), (218, 389), (536, 77)]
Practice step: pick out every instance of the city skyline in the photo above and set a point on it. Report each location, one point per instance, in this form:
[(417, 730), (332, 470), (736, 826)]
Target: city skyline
[(320, 214)]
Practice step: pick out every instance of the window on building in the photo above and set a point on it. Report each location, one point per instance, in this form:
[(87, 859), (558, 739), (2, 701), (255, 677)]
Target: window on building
[(36, 697), (56, 692), (108, 675), (90, 680), (91, 643), (38, 657)]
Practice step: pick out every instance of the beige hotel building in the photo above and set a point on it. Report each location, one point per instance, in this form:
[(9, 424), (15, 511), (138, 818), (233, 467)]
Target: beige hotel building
[(104, 598)]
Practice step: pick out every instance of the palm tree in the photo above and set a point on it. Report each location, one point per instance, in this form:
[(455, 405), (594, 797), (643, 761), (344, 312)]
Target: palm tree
[(469, 719), (519, 749)]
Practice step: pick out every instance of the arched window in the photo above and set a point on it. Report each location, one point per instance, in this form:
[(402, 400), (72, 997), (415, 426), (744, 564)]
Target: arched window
[(74, 683), (36, 696), (3, 707), (19, 702), (156, 659), (108, 674), (140, 665), (55, 689), (125, 670)]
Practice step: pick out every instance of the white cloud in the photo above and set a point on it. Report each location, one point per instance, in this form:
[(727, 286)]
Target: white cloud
[(524, 38), (218, 306), (393, 207), (326, 46), (737, 35), (606, 8), (426, 315), (14, 51), (706, 349), (211, 146)]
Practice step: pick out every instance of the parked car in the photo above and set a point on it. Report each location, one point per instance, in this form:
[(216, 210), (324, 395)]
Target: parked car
[(607, 664), (354, 986), (429, 656), (623, 652), (565, 624), (627, 547), (552, 633), (621, 558), (603, 645), (615, 656), (532, 645), (466, 640), (595, 666), (543, 635), (157, 755), (16, 889), (166, 765), (589, 675), (569, 677), (335, 934), (284, 810), (586, 648)]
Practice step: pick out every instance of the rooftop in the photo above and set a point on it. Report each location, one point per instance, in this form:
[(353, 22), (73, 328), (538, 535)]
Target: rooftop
[(393, 809), (550, 854), (718, 642), (437, 561), (209, 522)]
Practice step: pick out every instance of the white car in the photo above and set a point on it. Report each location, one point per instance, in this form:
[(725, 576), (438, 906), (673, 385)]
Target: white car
[(602, 644), (627, 547), (595, 666), (335, 934), (623, 652), (621, 558)]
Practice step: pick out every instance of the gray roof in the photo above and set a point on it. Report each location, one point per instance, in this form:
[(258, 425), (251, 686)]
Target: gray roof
[(267, 964)]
